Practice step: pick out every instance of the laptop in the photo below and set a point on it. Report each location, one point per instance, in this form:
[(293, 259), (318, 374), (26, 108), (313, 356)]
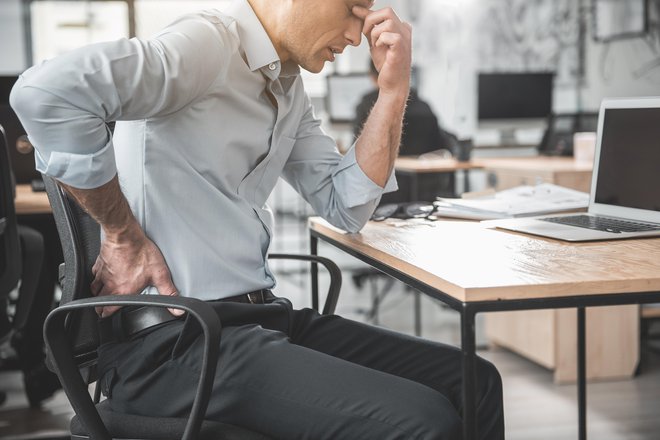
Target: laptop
[(625, 185)]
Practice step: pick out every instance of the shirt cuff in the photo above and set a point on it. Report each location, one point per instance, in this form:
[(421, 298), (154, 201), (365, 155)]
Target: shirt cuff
[(84, 171), (354, 187)]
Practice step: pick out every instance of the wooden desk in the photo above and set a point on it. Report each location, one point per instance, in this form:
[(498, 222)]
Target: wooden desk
[(30, 202), (474, 269), (414, 166), (514, 171), (421, 166), (547, 337)]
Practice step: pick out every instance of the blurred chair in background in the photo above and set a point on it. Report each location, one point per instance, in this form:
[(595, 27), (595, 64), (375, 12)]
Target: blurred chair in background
[(21, 258)]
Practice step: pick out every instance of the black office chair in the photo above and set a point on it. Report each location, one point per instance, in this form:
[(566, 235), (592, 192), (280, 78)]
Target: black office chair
[(71, 338), (558, 137), (21, 258), (10, 248)]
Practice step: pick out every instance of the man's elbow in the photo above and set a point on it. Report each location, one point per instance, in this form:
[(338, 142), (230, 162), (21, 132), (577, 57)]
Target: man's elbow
[(354, 227), (29, 103), (19, 99), (352, 223)]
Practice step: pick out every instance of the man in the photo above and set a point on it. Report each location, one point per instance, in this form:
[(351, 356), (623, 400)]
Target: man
[(212, 111)]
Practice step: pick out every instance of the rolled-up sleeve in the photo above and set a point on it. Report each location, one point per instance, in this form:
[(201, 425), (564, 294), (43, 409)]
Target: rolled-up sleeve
[(333, 184), (65, 103)]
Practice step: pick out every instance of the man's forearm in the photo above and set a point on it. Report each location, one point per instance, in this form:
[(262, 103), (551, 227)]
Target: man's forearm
[(378, 145), (108, 206)]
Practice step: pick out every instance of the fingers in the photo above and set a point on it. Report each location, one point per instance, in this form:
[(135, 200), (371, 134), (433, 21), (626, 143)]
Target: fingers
[(377, 31), (109, 310), (373, 19), (163, 283), (389, 39), (96, 286), (126, 269)]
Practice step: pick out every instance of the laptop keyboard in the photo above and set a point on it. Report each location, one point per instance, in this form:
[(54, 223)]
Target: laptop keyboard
[(607, 224)]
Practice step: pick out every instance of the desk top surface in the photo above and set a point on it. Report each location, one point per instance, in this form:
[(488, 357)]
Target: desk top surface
[(535, 163), (470, 262), (432, 165), (30, 202)]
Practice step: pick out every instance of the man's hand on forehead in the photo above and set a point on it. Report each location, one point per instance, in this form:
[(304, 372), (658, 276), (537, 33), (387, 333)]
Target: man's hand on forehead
[(390, 45)]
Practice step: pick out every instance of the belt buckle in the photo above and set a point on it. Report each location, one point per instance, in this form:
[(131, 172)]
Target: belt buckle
[(256, 297)]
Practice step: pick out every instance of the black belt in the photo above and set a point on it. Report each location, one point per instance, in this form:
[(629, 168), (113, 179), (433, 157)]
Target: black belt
[(130, 320)]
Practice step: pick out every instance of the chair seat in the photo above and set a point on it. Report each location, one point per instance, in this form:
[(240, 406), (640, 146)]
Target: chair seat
[(128, 426)]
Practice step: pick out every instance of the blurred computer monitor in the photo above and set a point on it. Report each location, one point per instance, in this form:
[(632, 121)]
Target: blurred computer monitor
[(508, 101), (344, 93), (22, 164)]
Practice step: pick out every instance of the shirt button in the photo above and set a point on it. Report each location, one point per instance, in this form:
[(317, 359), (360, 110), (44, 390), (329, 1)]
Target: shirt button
[(272, 66)]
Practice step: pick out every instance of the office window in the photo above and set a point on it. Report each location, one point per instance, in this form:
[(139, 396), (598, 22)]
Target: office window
[(59, 26)]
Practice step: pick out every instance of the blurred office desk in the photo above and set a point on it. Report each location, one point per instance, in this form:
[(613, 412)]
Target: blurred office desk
[(414, 166), (515, 171), (30, 202), (474, 269)]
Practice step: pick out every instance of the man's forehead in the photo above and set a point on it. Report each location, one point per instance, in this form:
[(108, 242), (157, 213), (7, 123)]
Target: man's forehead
[(364, 3)]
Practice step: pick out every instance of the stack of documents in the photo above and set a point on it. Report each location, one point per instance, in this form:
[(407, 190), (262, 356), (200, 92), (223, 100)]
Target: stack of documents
[(521, 201)]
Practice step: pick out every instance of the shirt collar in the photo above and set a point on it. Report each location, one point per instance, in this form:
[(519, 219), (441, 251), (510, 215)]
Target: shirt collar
[(259, 50)]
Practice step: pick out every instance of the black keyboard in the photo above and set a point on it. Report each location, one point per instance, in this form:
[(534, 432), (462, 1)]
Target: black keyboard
[(607, 224)]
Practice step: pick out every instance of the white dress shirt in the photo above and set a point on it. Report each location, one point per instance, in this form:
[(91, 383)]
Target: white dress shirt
[(198, 147)]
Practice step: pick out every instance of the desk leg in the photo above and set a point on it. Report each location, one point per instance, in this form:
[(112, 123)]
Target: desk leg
[(314, 248), (466, 180), (468, 348), (582, 375), (418, 313), (414, 188)]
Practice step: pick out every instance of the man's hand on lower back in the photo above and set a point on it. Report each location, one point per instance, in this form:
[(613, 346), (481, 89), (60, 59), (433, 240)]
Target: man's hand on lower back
[(127, 264), (128, 261)]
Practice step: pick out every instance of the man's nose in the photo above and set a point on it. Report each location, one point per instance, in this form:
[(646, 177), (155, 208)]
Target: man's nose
[(353, 33)]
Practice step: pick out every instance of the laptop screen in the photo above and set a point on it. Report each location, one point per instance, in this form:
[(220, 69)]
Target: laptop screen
[(629, 166)]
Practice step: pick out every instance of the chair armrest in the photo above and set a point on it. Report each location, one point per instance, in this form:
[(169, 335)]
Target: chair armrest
[(335, 278), (3, 225), (57, 343)]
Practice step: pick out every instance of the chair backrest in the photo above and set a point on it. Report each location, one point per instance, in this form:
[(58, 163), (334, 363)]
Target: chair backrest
[(80, 236), (22, 163), (558, 137), (10, 251)]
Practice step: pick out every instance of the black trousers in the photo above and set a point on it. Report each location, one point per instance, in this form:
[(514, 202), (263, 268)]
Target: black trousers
[(295, 374)]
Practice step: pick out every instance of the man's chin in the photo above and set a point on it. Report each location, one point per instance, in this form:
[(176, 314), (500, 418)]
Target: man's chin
[(313, 67)]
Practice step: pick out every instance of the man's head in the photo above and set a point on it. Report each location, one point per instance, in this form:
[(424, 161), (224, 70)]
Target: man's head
[(311, 32)]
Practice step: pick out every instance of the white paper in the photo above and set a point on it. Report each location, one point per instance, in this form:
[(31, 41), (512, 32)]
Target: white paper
[(520, 201)]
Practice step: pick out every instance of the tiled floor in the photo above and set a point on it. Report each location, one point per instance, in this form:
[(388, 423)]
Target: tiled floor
[(535, 407)]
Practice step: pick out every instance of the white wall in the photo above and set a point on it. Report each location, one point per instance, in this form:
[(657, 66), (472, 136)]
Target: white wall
[(12, 46), (454, 39), (625, 67)]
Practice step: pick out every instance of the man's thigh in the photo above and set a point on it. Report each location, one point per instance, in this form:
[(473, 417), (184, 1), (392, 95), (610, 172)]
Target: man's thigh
[(437, 366), (433, 364), (266, 383)]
